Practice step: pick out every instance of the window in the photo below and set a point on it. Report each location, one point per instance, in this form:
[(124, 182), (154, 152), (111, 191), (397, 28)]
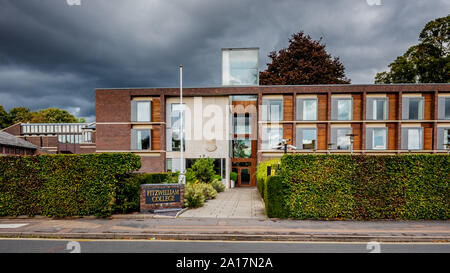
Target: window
[(446, 137), (379, 109), (240, 66), (271, 137), (309, 139), (447, 108), (415, 108), (242, 148), (61, 138), (344, 109), (379, 139), (143, 111), (143, 139), (177, 114), (242, 124), (87, 137), (414, 139), (342, 140), (310, 109), (275, 110)]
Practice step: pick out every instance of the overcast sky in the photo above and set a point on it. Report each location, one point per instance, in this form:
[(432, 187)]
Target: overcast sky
[(54, 55)]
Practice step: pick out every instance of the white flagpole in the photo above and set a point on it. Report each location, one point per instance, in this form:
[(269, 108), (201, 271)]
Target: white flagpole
[(183, 181)]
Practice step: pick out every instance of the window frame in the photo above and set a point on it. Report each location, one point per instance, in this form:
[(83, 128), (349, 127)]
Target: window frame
[(350, 110), (315, 108), (374, 147)]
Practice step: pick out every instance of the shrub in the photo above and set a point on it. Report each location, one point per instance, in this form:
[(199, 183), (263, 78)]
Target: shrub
[(409, 187), (208, 190), (190, 176), (157, 178), (203, 169), (234, 176), (273, 197), (218, 185), (261, 173), (194, 196), (64, 185)]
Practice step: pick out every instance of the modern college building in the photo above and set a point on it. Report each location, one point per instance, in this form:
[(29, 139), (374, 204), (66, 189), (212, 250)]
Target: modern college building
[(240, 123)]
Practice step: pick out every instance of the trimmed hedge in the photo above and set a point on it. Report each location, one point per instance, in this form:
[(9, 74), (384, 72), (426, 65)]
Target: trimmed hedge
[(63, 185), (408, 187), (273, 197), (261, 173)]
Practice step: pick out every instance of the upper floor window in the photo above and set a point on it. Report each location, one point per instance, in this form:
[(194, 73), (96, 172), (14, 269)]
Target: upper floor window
[(240, 66), (271, 137), (141, 139), (340, 138), (377, 109), (412, 108), (444, 108), (242, 148), (275, 110), (141, 111), (341, 108), (376, 138), (306, 138), (412, 138), (176, 113), (443, 138), (241, 124)]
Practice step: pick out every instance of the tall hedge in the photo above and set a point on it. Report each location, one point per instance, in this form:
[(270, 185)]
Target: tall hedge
[(261, 173), (366, 187), (274, 191), (62, 185)]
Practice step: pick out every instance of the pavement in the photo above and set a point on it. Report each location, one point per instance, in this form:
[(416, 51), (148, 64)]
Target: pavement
[(221, 219)]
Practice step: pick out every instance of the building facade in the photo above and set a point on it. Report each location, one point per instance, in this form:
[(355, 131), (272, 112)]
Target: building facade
[(12, 145), (240, 126), (61, 138)]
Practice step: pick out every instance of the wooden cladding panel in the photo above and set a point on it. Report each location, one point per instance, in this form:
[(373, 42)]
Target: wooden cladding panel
[(322, 137), (427, 136), (288, 108), (156, 110), (156, 137), (322, 101), (357, 140), (428, 106), (392, 136), (357, 106), (287, 132), (393, 107), (242, 107)]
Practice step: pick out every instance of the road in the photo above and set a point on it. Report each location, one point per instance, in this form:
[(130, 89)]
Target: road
[(9, 245)]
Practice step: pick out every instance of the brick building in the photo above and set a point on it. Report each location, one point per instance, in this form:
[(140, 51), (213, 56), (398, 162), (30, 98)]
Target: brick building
[(65, 138), (12, 145)]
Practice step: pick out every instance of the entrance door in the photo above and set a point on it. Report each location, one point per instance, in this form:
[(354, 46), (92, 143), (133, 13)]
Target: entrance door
[(244, 177)]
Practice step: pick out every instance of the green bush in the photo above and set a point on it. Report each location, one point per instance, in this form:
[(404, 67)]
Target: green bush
[(194, 196), (261, 173), (64, 185), (208, 190), (218, 185), (157, 178), (273, 197), (190, 176), (203, 169), (233, 176), (409, 187)]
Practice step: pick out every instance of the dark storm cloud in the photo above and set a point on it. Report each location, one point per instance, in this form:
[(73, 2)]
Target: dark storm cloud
[(54, 55)]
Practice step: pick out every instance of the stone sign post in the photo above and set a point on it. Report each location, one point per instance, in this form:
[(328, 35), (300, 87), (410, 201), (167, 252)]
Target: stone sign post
[(161, 197)]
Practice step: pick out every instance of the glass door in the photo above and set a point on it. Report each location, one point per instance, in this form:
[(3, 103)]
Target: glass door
[(244, 177)]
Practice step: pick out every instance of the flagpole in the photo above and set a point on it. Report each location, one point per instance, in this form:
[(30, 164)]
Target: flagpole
[(183, 181)]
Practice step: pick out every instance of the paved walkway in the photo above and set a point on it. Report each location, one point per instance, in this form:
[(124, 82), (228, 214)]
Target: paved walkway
[(232, 203)]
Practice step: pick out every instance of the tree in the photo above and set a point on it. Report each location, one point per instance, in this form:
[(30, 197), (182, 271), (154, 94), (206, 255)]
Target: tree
[(426, 62), (20, 114), (4, 118), (305, 61), (203, 168), (54, 115)]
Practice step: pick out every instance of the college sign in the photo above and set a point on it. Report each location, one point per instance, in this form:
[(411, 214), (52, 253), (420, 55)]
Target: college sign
[(161, 196)]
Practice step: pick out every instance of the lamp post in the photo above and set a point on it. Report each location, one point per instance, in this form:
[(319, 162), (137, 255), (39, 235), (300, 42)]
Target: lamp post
[(182, 172), (352, 139)]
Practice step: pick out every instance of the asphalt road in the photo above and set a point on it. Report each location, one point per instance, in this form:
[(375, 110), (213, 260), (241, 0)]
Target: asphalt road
[(156, 246)]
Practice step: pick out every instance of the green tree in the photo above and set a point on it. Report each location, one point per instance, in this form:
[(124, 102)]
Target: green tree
[(54, 115), (5, 120), (426, 62), (305, 61), (21, 114), (203, 169)]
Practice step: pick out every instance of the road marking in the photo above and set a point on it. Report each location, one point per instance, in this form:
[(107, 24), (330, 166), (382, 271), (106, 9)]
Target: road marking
[(12, 225)]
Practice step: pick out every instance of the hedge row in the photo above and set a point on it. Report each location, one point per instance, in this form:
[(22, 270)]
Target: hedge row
[(63, 185), (274, 191), (365, 187), (261, 173)]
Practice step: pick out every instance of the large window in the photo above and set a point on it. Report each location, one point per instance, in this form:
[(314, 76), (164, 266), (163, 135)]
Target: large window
[(379, 139), (344, 109), (275, 110), (177, 113), (414, 139), (342, 138), (143, 139), (447, 108), (271, 137), (242, 148), (143, 111), (242, 124), (310, 109), (240, 66), (379, 109), (415, 108), (309, 139)]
